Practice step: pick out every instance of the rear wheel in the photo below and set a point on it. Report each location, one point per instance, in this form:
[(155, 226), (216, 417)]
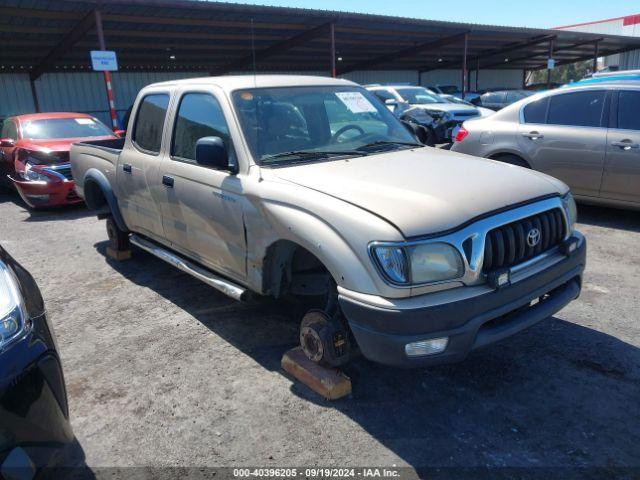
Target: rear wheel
[(118, 240), (512, 160)]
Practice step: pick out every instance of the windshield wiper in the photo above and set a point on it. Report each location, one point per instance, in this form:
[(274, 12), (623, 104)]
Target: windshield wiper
[(306, 154), (389, 142)]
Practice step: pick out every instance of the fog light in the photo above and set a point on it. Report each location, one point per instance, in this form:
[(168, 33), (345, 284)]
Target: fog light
[(570, 246), (426, 347), (499, 279)]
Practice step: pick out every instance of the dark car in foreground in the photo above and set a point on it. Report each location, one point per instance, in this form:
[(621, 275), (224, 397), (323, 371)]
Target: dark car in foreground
[(34, 416), (34, 154)]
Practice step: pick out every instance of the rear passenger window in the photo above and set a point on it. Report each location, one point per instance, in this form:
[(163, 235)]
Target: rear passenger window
[(199, 115), (147, 131), (581, 109), (536, 112), (628, 110)]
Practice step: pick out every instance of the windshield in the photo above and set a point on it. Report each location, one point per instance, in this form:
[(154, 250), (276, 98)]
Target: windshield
[(418, 96), (79, 127), (311, 123)]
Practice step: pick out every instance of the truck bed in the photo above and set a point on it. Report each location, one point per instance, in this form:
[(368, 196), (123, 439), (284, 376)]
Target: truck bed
[(97, 154)]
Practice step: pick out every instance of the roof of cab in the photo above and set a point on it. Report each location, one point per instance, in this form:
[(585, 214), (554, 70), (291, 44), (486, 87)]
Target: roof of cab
[(234, 82)]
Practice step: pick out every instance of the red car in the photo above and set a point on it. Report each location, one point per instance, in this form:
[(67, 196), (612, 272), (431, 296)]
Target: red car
[(34, 154)]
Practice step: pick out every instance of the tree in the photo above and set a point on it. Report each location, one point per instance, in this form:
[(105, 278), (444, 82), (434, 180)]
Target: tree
[(564, 73)]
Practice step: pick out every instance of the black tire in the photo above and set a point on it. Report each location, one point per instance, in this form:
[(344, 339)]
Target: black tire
[(321, 342), (118, 240), (512, 160)]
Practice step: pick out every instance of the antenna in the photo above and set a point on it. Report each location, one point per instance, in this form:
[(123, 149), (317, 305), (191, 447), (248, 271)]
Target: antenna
[(253, 53)]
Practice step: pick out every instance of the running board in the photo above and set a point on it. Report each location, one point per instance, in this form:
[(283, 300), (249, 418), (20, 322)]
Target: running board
[(223, 285)]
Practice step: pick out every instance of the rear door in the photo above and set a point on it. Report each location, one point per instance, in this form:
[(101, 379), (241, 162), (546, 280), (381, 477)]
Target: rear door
[(565, 136), (138, 172), (202, 208), (621, 179)]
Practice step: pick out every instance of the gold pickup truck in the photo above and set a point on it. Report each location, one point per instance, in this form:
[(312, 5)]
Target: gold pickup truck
[(308, 188)]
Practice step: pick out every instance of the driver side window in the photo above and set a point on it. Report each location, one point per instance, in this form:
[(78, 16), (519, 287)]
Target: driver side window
[(9, 130)]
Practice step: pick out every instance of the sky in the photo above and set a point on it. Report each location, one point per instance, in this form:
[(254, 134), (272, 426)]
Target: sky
[(516, 13)]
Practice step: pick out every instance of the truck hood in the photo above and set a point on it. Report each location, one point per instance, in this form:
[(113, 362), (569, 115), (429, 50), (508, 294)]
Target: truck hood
[(425, 190)]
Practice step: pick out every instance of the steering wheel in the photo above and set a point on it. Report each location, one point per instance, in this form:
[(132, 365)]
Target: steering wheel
[(346, 128)]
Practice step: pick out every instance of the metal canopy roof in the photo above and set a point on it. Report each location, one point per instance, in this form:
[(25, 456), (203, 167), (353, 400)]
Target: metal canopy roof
[(43, 35)]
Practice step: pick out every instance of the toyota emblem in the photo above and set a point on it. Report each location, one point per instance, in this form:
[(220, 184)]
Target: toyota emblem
[(533, 237)]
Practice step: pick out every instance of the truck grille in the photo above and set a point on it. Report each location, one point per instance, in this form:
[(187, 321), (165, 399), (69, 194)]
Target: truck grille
[(508, 245)]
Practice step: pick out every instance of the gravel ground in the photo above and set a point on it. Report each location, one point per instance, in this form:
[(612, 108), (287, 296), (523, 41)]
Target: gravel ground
[(163, 370)]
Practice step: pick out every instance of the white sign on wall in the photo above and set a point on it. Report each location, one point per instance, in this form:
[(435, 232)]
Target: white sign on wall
[(551, 62), (104, 60)]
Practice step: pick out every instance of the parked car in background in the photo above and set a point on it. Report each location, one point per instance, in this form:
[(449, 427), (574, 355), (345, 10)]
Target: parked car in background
[(499, 99), (484, 112), (453, 90), (308, 188), (34, 415), (608, 77), (34, 154), (587, 136), (426, 108)]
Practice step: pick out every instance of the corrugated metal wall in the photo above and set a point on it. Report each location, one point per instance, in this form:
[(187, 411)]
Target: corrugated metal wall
[(85, 91), (15, 94)]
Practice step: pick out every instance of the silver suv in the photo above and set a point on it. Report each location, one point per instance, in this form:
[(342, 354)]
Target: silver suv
[(588, 137), (308, 188)]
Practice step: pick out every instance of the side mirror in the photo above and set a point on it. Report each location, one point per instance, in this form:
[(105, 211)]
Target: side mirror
[(211, 152), (7, 142)]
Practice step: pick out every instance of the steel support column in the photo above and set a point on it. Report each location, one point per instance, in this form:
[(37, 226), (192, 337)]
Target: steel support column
[(595, 56), (332, 39), (463, 73), (107, 74), (34, 94), (477, 71), (551, 45)]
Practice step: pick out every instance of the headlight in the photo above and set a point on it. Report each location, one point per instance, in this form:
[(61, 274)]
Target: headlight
[(435, 262), (571, 209), (440, 115), (13, 317), (418, 264), (30, 174)]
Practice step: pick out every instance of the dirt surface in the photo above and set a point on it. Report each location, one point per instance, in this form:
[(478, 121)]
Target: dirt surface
[(163, 370)]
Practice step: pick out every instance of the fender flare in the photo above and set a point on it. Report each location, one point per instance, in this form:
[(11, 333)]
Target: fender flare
[(96, 176)]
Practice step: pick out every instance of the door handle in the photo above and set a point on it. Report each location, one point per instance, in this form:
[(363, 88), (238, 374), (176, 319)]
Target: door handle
[(167, 181), (625, 144), (126, 168), (533, 135)]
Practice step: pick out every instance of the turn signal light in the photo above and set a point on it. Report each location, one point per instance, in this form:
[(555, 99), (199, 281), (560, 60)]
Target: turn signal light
[(462, 134)]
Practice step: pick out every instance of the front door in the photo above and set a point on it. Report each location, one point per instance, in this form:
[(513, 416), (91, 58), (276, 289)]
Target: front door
[(570, 143), (202, 208), (621, 180), (138, 170), (9, 131)]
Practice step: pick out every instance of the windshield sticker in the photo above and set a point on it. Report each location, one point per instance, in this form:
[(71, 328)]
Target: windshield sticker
[(84, 121), (356, 102)]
